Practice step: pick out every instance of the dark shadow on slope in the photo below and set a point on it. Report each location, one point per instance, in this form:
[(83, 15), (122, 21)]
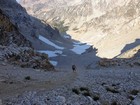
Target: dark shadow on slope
[(129, 57), (130, 46)]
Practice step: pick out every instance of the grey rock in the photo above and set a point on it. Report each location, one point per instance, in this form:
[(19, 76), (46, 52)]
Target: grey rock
[(136, 101), (0, 101), (3, 64), (60, 100)]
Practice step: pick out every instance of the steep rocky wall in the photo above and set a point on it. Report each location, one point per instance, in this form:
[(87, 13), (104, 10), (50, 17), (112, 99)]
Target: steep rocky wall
[(29, 26), (9, 33), (16, 49)]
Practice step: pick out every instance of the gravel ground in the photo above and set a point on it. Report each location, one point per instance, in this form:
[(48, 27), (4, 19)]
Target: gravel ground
[(101, 86)]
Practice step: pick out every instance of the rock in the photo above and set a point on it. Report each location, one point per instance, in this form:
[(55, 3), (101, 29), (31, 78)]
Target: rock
[(137, 62), (0, 101), (112, 89), (16, 37), (2, 80), (26, 57), (136, 101), (3, 64), (60, 100), (108, 62), (80, 100), (131, 65)]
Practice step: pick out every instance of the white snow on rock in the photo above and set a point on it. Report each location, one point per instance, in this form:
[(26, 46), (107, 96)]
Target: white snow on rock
[(45, 40), (58, 52), (76, 43), (54, 63), (67, 36), (80, 48), (51, 53)]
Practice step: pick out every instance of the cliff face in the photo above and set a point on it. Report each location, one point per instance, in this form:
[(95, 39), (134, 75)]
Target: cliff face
[(96, 22), (27, 25), (16, 47), (9, 33)]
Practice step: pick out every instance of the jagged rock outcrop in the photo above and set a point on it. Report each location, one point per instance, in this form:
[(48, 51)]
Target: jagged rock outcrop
[(96, 22), (15, 45), (25, 57)]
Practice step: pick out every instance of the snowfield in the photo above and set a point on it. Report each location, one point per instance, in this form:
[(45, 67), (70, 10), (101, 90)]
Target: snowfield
[(45, 40), (80, 48)]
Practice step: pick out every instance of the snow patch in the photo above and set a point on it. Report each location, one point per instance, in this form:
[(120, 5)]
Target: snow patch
[(45, 40), (58, 52), (51, 53), (80, 48), (76, 43), (67, 36), (54, 63)]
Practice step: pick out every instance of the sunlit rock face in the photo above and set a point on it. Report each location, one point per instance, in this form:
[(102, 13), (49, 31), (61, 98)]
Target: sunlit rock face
[(107, 24)]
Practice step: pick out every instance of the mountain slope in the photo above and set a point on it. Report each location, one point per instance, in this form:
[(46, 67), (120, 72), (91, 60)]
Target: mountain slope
[(27, 25), (96, 22), (15, 44)]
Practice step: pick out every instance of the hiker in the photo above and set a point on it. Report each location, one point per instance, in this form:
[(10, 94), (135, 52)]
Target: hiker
[(73, 68)]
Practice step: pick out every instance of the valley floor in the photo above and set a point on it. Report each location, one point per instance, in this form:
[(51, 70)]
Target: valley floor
[(99, 86)]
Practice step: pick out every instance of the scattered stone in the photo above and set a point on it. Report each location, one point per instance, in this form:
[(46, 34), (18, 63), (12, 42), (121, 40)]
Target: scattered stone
[(26, 57), (1, 102), (103, 84), (108, 62), (27, 78), (137, 63), (134, 92), (114, 103), (90, 98), (84, 89), (136, 101), (3, 64), (2, 80), (96, 97), (131, 65), (76, 91), (131, 97), (112, 89), (86, 93), (60, 100)]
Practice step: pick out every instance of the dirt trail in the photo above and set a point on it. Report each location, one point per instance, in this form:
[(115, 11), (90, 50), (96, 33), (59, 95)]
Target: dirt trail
[(12, 80)]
